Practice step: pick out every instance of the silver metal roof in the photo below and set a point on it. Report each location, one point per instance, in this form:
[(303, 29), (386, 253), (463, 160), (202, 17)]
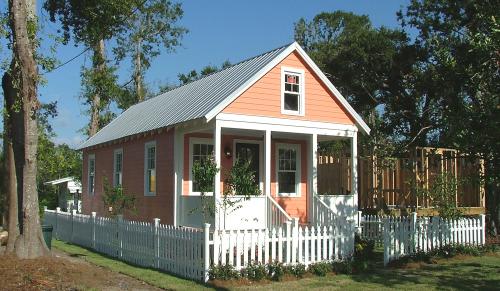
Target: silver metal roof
[(191, 101)]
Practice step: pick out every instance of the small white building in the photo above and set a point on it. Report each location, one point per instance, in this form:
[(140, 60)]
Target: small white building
[(68, 193)]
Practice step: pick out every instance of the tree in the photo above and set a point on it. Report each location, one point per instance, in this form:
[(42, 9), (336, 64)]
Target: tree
[(148, 31), (91, 23), (463, 41), (20, 86), (193, 75)]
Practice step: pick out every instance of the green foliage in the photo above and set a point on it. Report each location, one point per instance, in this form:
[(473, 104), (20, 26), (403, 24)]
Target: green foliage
[(320, 268), (297, 270), (276, 271), (255, 272), (204, 172), (116, 200), (241, 180), (343, 267), (193, 75), (442, 193), (223, 272)]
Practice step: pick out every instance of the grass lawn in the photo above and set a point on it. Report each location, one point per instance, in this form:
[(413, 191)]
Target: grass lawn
[(459, 273)]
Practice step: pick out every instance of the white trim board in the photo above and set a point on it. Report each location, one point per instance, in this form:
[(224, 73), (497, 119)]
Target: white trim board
[(293, 47)]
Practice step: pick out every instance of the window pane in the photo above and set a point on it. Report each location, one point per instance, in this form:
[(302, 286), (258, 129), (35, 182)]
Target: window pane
[(286, 182), (152, 180), (291, 102)]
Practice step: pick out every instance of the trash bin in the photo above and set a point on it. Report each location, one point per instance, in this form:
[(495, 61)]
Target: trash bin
[(47, 235)]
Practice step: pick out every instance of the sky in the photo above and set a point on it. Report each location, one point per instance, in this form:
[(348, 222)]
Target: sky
[(219, 30)]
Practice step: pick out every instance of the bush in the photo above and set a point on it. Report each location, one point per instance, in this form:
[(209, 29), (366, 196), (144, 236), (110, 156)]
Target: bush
[(276, 271), (223, 272), (297, 270), (343, 267), (320, 268), (363, 249), (254, 272)]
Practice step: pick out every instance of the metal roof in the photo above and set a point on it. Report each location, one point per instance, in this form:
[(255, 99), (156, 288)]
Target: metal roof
[(191, 101)]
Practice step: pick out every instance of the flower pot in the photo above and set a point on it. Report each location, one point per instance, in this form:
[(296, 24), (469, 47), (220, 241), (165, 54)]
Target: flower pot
[(47, 235)]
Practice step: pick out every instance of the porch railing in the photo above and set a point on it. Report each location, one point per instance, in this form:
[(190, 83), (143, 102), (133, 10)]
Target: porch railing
[(276, 215), (323, 214)]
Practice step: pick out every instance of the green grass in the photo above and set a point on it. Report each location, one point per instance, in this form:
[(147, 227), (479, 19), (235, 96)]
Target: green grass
[(150, 276), (469, 273)]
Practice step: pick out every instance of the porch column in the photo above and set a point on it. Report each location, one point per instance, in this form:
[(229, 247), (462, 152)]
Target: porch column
[(354, 170), (267, 163), (313, 175), (217, 157)]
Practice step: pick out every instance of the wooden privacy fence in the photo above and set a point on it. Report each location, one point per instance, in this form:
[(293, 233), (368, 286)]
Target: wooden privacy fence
[(392, 186), (190, 252), (408, 235)]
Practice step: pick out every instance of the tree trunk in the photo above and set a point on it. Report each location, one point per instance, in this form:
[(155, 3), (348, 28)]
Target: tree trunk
[(10, 179), (95, 106), (138, 72), (30, 243)]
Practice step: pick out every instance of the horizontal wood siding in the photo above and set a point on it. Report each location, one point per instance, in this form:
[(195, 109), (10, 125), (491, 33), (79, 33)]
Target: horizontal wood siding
[(264, 97)]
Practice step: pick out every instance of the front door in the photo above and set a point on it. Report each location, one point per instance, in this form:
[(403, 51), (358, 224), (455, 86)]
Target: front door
[(250, 152)]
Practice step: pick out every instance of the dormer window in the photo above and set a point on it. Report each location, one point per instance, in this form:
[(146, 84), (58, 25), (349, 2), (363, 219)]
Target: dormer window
[(292, 99)]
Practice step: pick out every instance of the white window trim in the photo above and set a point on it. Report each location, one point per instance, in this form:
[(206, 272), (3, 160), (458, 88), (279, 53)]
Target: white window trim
[(192, 141), (298, 182), (115, 153), (302, 90), (261, 157), (146, 147), (89, 158)]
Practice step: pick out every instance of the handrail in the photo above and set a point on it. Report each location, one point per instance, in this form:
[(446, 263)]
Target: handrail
[(276, 215), (323, 214)]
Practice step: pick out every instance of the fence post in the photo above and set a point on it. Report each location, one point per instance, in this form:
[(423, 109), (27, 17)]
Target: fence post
[(58, 209), (206, 251), (288, 240), (157, 243), (413, 232), (295, 239), (119, 234), (385, 235), (359, 227), (73, 213), (483, 230), (93, 219)]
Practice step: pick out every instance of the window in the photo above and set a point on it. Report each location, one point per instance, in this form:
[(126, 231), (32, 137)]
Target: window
[(150, 169), (288, 169), (201, 149), (292, 101), (91, 174), (118, 167)]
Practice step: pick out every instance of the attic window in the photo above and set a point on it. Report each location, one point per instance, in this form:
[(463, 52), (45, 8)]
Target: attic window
[(292, 101)]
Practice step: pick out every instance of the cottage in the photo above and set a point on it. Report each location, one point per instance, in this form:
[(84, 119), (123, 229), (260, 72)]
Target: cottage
[(272, 109), (68, 190)]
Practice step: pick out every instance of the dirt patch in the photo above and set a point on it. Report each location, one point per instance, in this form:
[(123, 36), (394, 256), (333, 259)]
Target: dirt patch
[(59, 272)]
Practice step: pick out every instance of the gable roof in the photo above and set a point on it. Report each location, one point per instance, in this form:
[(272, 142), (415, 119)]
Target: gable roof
[(205, 98)]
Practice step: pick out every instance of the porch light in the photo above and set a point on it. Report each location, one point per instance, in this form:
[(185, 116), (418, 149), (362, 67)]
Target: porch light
[(228, 152)]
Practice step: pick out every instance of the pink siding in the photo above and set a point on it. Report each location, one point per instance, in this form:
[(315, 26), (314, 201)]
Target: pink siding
[(148, 207), (264, 97)]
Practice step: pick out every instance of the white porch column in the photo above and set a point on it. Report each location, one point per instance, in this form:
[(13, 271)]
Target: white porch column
[(217, 157), (179, 170), (267, 163), (313, 174), (354, 170)]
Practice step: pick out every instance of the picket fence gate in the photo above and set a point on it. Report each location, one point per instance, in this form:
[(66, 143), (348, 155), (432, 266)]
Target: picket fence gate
[(372, 227), (408, 235), (190, 252)]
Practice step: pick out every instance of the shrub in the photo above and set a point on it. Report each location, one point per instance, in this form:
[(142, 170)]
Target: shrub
[(276, 271), (320, 268), (254, 272), (343, 267), (297, 270), (223, 272), (363, 249)]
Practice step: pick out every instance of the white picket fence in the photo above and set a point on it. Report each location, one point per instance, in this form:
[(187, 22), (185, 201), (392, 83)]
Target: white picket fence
[(372, 227), (181, 251), (408, 235)]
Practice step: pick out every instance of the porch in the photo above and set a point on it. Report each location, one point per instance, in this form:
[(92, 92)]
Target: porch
[(282, 153)]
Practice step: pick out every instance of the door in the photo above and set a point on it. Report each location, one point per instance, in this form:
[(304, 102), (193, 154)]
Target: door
[(250, 152)]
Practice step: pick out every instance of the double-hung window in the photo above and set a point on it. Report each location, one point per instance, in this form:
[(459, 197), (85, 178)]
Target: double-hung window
[(201, 150), (91, 174), (288, 169), (292, 88), (117, 167), (150, 169)]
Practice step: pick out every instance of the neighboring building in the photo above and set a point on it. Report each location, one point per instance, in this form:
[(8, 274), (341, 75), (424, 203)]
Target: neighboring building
[(68, 193), (272, 109)]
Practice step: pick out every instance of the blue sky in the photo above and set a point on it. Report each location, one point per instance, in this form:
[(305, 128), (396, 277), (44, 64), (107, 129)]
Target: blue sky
[(218, 31)]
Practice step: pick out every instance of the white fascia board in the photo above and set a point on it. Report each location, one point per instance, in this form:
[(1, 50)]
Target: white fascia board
[(216, 110), (239, 121)]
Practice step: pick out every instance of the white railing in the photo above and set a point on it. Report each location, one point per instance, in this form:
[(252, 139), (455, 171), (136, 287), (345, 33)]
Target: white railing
[(289, 245), (408, 235), (276, 215), (323, 214), (372, 227), (190, 252)]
